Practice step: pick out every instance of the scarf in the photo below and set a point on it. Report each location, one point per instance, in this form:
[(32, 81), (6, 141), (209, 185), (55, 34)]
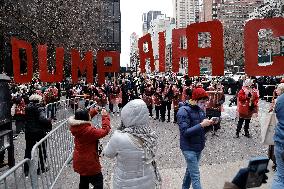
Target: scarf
[(149, 139)]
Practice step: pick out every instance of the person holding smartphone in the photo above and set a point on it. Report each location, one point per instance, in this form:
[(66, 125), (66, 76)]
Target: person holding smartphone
[(86, 154), (192, 121)]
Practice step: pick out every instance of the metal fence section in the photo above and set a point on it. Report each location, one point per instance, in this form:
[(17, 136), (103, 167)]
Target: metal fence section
[(15, 177), (61, 110), (50, 156)]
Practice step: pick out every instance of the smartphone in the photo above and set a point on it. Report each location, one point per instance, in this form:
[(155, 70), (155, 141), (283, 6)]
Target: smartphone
[(215, 119), (257, 167)]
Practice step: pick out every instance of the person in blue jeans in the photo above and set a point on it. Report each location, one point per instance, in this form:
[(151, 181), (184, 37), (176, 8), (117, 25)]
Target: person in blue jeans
[(192, 121), (279, 139)]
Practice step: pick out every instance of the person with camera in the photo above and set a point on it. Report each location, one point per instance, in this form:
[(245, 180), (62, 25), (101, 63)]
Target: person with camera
[(247, 105), (134, 146), (279, 139), (192, 121), (86, 152)]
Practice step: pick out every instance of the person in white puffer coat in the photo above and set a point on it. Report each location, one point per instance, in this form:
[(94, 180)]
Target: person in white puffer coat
[(134, 145)]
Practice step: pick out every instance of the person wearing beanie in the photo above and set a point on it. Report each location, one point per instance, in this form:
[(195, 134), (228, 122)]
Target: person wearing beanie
[(247, 106), (86, 152), (192, 121), (134, 146)]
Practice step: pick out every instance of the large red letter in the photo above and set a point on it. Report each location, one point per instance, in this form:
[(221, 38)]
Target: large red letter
[(177, 52), (83, 65), (216, 51), (45, 76), (162, 52), (102, 68), (145, 55), (16, 46), (251, 47)]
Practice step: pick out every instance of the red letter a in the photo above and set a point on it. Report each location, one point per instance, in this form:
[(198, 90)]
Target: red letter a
[(216, 51), (145, 55)]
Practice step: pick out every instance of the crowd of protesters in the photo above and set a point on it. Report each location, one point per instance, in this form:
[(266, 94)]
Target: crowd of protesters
[(197, 104)]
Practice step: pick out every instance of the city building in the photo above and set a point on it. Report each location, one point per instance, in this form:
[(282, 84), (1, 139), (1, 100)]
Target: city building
[(186, 12), (110, 23), (160, 24), (147, 18), (134, 51), (234, 13)]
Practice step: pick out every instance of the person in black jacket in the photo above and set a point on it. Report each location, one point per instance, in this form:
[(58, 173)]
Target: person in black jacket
[(37, 125)]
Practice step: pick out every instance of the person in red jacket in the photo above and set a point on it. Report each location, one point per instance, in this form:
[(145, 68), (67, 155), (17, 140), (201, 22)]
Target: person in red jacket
[(247, 105), (86, 154)]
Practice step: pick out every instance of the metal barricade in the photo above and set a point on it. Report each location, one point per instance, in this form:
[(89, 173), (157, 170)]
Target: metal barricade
[(60, 110), (50, 155), (15, 177)]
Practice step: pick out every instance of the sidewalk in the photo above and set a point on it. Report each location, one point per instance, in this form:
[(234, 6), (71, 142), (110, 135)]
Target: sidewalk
[(212, 176)]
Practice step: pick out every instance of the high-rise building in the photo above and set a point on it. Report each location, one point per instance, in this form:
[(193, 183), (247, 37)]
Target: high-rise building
[(234, 13), (134, 51), (147, 18), (111, 26), (186, 12)]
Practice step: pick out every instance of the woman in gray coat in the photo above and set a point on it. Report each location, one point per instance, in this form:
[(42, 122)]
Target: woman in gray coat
[(134, 146)]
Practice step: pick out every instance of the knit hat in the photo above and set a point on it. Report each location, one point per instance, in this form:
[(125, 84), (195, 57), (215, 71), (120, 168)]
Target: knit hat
[(282, 80), (199, 93)]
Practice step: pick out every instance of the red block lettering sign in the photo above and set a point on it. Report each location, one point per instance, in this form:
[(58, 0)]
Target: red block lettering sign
[(102, 68), (83, 65), (251, 47), (45, 76), (16, 46), (176, 50), (216, 51), (162, 52), (146, 39)]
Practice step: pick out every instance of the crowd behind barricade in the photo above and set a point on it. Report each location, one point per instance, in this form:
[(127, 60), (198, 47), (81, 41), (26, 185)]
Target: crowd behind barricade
[(197, 104)]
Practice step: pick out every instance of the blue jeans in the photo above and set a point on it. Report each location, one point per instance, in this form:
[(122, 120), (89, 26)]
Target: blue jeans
[(192, 174), (278, 181)]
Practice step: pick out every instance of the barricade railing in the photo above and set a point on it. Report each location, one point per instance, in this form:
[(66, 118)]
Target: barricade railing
[(50, 155), (60, 110), (16, 178)]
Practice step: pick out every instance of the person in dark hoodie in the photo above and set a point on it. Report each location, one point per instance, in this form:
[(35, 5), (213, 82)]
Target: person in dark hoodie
[(192, 121), (86, 152), (36, 127)]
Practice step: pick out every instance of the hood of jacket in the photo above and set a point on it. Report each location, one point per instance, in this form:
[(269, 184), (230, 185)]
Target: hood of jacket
[(72, 122), (135, 113)]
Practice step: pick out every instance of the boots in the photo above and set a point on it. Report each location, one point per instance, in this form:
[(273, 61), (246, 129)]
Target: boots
[(237, 134), (247, 134)]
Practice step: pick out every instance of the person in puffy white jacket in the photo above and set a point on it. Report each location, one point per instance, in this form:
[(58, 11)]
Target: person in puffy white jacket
[(134, 145)]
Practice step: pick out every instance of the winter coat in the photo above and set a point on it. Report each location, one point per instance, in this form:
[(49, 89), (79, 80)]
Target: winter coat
[(85, 157), (245, 107), (36, 122), (192, 135), (131, 171), (279, 129)]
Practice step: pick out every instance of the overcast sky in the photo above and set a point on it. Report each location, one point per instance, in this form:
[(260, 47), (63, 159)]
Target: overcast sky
[(131, 12)]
